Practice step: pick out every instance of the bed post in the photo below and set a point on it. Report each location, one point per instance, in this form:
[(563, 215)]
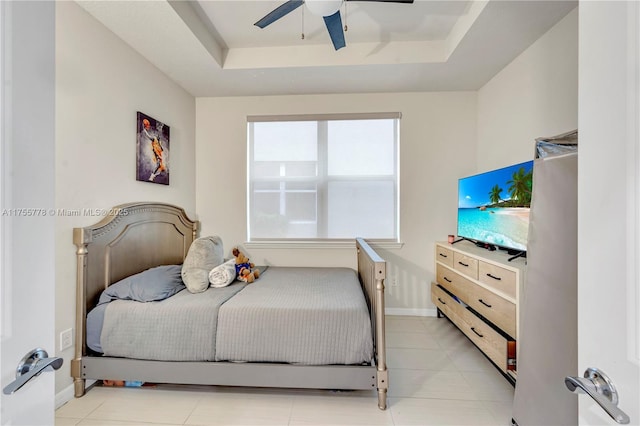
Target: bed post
[(81, 239), (381, 348), (372, 270), (383, 376)]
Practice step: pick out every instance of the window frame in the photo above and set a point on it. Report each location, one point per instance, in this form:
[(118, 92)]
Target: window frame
[(323, 180)]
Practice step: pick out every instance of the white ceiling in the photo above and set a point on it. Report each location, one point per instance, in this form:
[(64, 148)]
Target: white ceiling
[(212, 48)]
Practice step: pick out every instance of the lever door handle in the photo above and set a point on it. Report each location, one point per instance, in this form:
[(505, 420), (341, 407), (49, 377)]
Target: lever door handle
[(598, 386), (33, 363)]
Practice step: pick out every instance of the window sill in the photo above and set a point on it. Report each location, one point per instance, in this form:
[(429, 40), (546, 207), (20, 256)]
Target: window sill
[(347, 244)]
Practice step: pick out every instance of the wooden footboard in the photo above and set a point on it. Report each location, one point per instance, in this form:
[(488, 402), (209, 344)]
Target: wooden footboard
[(372, 272), (138, 236)]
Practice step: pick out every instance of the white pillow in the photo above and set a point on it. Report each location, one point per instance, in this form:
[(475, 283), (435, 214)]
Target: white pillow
[(223, 275)]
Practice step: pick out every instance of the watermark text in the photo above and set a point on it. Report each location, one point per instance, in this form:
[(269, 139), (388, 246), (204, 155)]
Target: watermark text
[(35, 212)]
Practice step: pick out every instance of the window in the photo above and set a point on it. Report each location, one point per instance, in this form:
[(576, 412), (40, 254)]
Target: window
[(323, 177)]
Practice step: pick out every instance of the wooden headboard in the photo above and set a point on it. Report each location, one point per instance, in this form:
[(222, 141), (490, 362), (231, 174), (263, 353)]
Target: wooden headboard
[(132, 238)]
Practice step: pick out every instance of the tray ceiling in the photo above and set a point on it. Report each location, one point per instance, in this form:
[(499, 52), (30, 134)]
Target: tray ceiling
[(212, 48)]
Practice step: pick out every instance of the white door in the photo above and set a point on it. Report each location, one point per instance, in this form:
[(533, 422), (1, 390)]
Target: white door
[(609, 203), (27, 187)]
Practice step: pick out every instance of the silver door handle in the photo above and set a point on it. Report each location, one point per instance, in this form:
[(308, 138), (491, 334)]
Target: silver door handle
[(598, 386), (33, 363)]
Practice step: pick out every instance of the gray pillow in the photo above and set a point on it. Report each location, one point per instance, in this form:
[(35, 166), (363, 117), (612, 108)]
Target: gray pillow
[(151, 285), (204, 254)]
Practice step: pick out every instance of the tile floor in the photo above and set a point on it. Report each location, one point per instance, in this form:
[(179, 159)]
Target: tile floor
[(436, 376)]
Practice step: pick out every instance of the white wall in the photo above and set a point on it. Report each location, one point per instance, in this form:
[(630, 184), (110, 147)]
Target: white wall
[(100, 84), (535, 95), (437, 145)]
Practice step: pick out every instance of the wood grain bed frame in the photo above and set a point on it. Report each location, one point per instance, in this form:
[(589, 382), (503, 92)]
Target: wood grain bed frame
[(138, 236)]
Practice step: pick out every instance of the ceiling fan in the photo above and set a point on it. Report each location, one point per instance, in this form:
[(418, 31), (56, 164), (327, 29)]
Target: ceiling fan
[(328, 9)]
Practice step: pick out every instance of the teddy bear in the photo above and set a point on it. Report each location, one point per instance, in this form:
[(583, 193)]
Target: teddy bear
[(244, 268)]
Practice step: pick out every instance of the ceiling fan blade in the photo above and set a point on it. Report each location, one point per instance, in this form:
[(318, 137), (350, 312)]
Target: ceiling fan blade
[(334, 26), (279, 12), (387, 1)]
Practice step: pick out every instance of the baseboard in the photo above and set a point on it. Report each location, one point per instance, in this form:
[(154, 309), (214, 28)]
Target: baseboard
[(413, 312), (64, 396), (68, 393)]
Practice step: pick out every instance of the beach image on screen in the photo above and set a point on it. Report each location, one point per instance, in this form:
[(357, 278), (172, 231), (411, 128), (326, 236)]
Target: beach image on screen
[(493, 207)]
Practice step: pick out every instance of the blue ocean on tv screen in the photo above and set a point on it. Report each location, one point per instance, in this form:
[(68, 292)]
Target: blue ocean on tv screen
[(493, 207)]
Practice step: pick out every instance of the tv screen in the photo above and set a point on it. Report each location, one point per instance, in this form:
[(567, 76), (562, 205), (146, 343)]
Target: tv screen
[(493, 207)]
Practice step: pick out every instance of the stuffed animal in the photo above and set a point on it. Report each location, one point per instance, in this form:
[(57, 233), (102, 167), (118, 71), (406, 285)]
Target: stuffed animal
[(244, 268)]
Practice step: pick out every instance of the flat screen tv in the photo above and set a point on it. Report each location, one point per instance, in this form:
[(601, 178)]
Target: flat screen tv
[(493, 207)]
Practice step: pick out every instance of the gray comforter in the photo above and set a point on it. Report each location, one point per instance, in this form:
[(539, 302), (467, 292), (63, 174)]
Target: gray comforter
[(308, 316), (312, 316), (180, 328)]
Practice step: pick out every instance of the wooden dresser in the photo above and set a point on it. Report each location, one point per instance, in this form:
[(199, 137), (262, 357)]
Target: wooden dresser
[(478, 291)]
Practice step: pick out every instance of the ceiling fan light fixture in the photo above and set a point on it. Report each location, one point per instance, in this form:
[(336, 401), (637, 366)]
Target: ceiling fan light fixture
[(323, 7)]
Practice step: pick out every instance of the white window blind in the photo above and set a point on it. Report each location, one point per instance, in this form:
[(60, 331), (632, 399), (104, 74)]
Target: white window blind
[(325, 177)]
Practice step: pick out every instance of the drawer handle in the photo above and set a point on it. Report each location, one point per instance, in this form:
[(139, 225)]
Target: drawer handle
[(484, 303), (474, 330), (466, 265), (447, 280), (443, 255), (441, 301), (494, 277)]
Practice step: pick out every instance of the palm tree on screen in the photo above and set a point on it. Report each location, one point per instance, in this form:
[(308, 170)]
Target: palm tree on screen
[(494, 194), (520, 187)]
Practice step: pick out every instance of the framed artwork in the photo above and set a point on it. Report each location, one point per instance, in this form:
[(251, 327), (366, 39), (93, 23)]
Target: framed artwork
[(152, 154)]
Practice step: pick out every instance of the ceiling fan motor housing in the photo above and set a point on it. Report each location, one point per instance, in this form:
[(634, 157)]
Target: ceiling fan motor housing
[(323, 7)]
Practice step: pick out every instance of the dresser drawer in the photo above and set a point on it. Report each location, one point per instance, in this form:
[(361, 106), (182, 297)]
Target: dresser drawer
[(444, 255), (494, 308), (499, 278), (499, 349), (453, 281), (466, 265), (445, 302)]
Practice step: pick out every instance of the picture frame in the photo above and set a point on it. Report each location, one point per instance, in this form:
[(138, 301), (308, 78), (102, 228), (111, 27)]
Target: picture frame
[(152, 150)]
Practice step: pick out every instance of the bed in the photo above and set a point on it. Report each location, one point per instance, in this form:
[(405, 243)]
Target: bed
[(138, 236)]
